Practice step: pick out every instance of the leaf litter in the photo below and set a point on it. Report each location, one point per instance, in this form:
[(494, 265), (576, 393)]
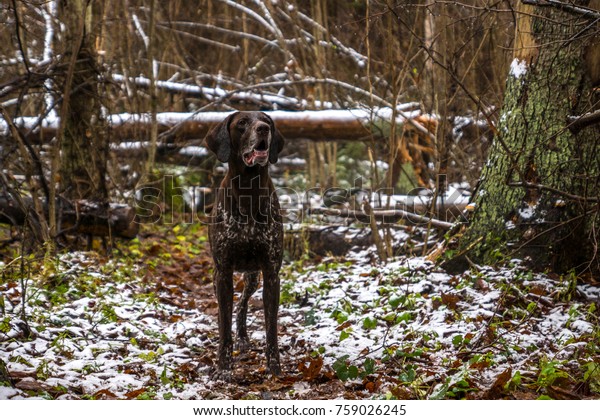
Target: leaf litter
[(142, 325)]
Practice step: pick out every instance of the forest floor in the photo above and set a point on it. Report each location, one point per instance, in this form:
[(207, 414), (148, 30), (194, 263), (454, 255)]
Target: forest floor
[(141, 324)]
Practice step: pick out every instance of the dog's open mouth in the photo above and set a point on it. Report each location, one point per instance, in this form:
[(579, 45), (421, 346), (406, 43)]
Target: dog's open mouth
[(259, 154)]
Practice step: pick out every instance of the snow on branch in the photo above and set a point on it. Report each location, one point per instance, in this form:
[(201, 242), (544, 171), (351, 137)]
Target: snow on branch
[(49, 14), (253, 15), (213, 94), (567, 7), (578, 122), (352, 53), (147, 43), (250, 94), (269, 18), (214, 28), (379, 214)]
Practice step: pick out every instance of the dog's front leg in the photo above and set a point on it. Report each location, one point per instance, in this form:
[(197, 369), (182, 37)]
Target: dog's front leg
[(250, 286), (224, 290), (271, 304)]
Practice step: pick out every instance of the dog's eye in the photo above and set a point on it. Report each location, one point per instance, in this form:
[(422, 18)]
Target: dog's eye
[(242, 123)]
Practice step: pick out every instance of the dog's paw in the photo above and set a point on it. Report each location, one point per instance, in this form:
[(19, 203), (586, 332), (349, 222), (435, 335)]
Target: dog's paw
[(223, 375), (274, 369), (242, 345)]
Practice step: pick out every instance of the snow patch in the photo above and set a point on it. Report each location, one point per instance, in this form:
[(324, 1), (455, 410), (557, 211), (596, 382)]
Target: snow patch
[(518, 68)]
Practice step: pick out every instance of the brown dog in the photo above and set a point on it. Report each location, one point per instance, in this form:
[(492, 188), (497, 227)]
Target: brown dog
[(245, 231)]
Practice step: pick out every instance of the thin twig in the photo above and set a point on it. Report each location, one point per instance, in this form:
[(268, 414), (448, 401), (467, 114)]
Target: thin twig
[(556, 191)]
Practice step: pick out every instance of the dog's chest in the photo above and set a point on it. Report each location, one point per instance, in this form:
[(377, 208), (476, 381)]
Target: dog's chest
[(245, 241), (241, 228)]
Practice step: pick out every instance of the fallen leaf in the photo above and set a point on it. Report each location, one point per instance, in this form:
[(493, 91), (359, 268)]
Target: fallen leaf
[(132, 395), (450, 300), (105, 394), (561, 393), (312, 371), (344, 325), (497, 388), (30, 384)]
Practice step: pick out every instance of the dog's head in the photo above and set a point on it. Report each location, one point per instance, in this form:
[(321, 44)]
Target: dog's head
[(246, 137)]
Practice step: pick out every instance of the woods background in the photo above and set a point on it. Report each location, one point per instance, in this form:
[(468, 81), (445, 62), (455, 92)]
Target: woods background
[(455, 140), (74, 75)]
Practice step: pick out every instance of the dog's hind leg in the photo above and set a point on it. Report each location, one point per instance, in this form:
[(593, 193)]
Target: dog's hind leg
[(250, 286), (271, 291), (223, 282)]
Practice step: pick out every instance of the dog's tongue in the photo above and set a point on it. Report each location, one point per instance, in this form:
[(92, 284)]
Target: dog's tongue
[(256, 154)]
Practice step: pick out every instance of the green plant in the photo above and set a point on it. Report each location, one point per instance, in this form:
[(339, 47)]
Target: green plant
[(568, 287), (43, 371), (369, 323), (453, 388), (592, 376), (345, 370), (514, 382), (550, 372)]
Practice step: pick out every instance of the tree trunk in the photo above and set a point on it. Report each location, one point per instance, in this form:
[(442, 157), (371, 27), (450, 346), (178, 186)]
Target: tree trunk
[(538, 194), (83, 144)]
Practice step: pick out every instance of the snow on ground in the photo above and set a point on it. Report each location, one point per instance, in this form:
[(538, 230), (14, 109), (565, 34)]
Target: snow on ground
[(105, 331)]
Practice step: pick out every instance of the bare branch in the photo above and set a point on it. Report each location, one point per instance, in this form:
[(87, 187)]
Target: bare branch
[(226, 31), (391, 213), (579, 122), (556, 191)]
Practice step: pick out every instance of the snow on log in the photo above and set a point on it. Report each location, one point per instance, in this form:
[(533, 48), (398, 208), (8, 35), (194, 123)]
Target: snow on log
[(326, 125)]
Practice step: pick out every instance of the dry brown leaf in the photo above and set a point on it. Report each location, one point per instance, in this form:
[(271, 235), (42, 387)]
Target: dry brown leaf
[(312, 371), (132, 395), (497, 388), (105, 394), (344, 326), (450, 300)]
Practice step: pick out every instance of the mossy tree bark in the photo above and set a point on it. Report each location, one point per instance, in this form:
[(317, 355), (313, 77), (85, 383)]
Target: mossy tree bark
[(538, 194)]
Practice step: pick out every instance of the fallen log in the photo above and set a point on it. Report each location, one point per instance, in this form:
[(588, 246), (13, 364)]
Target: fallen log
[(339, 240), (81, 217), (327, 125)]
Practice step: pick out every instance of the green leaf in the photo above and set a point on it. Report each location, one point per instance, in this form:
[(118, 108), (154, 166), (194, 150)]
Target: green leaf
[(340, 368), (369, 323), (395, 301), (408, 375), (369, 366), (389, 317), (164, 379), (344, 334), (457, 340), (352, 372), (440, 393)]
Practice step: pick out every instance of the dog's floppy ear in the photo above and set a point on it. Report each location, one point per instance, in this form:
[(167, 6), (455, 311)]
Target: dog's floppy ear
[(277, 142), (218, 139)]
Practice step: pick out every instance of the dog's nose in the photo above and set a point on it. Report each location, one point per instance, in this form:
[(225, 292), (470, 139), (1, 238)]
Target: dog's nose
[(262, 128)]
